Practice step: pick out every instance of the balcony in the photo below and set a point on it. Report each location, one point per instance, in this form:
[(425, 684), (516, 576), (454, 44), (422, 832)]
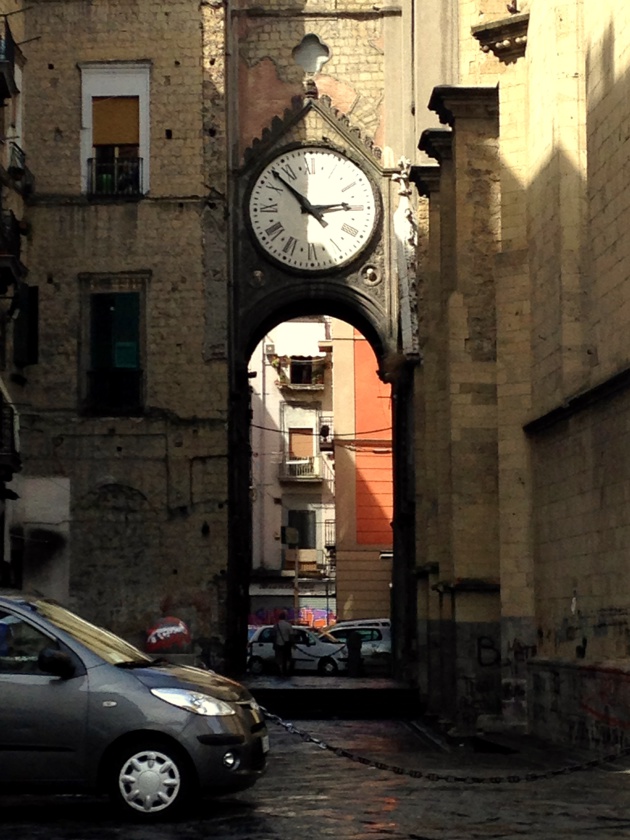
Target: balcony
[(11, 268), (8, 87), (10, 462), (301, 469), (117, 178), (114, 392), (18, 170)]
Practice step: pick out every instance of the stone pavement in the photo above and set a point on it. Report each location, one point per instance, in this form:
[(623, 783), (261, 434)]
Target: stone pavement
[(311, 793)]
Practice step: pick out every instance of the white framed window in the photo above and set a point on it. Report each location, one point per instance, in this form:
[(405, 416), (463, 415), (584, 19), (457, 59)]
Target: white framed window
[(115, 127)]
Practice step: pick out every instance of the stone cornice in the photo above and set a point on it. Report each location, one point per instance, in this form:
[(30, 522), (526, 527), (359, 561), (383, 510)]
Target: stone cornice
[(437, 143), (506, 38), (451, 102), (426, 179)]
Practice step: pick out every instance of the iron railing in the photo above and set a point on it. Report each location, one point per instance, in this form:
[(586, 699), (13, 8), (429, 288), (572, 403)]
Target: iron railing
[(9, 457), (8, 87), (17, 160), (10, 243), (121, 176), (301, 468)]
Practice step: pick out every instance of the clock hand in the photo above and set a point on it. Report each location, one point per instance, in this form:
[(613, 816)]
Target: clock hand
[(303, 201), (330, 208)]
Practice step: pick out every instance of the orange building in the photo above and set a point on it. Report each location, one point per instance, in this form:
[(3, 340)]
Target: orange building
[(363, 478)]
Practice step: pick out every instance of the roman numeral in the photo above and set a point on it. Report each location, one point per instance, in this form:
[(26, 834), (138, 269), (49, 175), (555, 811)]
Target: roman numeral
[(289, 245), (269, 208), (349, 230), (332, 242), (309, 162), (312, 252), (274, 231), (355, 207), (349, 186), (288, 171), (271, 186)]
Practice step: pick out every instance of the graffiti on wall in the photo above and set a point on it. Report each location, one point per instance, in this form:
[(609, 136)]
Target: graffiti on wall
[(518, 653), (307, 616)]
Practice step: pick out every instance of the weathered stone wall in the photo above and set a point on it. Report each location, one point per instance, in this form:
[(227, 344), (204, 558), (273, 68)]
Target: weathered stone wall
[(148, 495), (269, 75), (571, 702)]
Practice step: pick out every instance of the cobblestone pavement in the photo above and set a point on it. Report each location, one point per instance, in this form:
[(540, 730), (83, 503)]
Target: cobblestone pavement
[(310, 793)]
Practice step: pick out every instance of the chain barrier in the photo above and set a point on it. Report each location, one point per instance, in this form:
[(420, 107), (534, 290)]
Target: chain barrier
[(448, 777)]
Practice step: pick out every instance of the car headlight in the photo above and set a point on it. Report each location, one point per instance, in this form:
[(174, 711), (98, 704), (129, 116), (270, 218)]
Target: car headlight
[(194, 701)]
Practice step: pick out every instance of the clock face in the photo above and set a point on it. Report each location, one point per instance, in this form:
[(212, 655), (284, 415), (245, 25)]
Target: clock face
[(312, 209)]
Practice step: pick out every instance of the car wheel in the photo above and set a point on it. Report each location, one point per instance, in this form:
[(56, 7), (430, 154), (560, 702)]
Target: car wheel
[(255, 666), (150, 780), (327, 667)]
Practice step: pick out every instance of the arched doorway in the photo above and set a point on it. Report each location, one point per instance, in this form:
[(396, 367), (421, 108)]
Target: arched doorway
[(321, 476), (384, 536)]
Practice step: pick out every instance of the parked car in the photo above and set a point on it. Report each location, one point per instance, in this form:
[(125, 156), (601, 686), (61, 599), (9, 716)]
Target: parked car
[(358, 622), (376, 641), (311, 652), (82, 711)]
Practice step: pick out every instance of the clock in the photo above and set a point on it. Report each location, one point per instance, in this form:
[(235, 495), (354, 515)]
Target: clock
[(312, 209)]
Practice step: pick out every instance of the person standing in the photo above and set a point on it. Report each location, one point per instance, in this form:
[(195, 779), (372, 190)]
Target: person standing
[(282, 645)]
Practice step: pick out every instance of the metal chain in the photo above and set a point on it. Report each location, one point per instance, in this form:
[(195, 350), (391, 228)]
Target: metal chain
[(438, 777)]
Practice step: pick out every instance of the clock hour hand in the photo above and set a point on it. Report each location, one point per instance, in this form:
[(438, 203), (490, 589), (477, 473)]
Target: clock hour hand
[(329, 208), (302, 200)]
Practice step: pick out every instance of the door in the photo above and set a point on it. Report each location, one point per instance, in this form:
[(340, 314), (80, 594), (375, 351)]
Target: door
[(43, 718)]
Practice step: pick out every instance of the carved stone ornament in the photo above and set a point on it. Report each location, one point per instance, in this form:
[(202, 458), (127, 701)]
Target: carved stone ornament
[(406, 236), (506, 38), (371, 275), (257, 279)]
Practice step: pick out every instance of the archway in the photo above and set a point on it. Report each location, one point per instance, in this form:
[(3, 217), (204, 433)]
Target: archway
[(394, 553)]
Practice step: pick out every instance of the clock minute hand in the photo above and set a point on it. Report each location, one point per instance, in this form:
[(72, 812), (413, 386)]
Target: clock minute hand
[(303, 201)]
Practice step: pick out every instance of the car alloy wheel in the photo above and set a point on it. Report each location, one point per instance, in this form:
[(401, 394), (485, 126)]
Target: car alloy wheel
[(150, 781), (256, 666), (327, 667)]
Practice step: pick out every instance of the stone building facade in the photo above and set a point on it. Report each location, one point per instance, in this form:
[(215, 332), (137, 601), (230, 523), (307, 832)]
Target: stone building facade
[(145, 126), (522, 531)]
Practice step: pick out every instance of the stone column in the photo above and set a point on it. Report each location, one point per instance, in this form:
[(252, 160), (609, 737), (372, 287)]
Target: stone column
[(470, 229)]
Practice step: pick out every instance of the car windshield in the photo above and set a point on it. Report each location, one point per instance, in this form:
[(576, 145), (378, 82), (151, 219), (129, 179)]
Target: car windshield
[(102, 642)]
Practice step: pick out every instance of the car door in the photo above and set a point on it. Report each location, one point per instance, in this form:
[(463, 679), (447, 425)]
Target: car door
[(262, 645), (43, 718), (305, 656)]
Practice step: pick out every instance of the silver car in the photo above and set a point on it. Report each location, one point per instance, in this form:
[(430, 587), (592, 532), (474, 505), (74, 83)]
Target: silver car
[(81, 710)]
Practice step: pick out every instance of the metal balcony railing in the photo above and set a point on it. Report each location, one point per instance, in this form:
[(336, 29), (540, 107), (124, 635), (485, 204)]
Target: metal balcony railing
[(10, 242), (9, 458), (118, 177), (330, 535), (301, 468), (17, 160), (8, 87)]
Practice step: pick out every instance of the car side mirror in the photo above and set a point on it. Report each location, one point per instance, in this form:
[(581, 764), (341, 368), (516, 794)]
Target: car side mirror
[(56, 662)]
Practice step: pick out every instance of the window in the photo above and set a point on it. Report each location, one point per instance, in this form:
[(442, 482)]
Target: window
[(304, 523), (20, 645), (113, 364), (300, 444), (115, 168), (115, 135), (306, 370)]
